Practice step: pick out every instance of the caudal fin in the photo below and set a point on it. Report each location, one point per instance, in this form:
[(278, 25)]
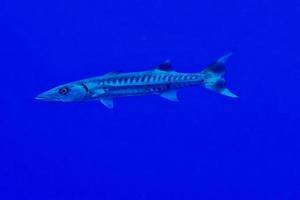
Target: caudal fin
[(213, 77)]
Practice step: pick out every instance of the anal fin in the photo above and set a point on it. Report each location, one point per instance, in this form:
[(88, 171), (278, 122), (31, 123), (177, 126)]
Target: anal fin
[(170, 95)]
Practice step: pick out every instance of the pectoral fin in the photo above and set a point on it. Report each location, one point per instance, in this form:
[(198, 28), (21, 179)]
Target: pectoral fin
[(98, 92), (170, 95), (109, 103)]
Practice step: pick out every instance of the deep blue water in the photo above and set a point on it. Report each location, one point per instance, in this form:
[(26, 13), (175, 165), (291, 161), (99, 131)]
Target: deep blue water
[(206, 147)]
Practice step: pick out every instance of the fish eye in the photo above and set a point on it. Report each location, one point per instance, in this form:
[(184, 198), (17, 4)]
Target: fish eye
[(64, 90)]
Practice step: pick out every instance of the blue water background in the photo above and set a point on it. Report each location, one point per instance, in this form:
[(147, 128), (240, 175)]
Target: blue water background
[(206, 147)]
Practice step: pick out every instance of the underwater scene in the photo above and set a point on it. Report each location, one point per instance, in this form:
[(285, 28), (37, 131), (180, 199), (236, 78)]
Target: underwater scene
[(149, 100)]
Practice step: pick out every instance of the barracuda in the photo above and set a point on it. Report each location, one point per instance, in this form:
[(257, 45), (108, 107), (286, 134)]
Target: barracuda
[(161, 81)]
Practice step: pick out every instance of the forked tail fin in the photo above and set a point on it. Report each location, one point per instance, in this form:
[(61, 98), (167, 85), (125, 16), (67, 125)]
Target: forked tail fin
[(213, 77)]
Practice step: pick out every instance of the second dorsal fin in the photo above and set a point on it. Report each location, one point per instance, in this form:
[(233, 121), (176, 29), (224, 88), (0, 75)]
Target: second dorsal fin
[(165, 66)]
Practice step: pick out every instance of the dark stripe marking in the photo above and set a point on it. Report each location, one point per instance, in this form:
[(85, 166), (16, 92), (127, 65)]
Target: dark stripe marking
[(85, 87), (114, 81), (131, 79), (126, 80), (143, 78), (148, 78), (154, 77)]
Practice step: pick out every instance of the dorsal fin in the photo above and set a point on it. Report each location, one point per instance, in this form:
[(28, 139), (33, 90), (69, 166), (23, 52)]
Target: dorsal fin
[(112, 73), (165, 66)]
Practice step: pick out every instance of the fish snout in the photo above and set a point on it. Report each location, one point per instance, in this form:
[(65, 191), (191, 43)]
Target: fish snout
[(39, 97), (45, 96)]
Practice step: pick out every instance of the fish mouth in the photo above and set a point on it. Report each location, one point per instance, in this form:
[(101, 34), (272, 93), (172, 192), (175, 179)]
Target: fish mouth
[(40, 98), (45, 97)]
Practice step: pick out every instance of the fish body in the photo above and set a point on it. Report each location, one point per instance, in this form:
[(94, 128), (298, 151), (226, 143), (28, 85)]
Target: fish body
[(161, 81), (141, 83)]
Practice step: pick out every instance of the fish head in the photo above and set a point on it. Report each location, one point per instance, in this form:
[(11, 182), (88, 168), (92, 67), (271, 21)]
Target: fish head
[(71, 92)]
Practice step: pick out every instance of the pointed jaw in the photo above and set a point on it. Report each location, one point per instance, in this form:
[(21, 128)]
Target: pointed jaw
[(46, 96)]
